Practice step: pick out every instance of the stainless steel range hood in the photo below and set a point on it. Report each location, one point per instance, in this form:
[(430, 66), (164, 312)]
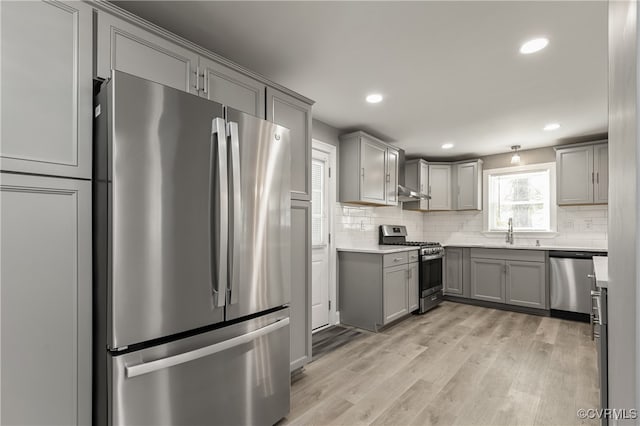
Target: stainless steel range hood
[(405, 193)]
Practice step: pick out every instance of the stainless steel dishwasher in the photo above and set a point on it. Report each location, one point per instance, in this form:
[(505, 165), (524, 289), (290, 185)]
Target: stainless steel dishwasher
[(571, 284)]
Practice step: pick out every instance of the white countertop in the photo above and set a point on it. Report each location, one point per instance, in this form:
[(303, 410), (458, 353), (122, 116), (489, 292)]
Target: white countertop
[(376, 249), (601, 268), (528, 247)]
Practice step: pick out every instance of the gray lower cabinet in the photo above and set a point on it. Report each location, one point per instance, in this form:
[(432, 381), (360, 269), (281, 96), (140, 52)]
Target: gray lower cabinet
[(488, 280), (395, 287), (376, 289), (513, 277), (414, 286), (300, 308), (45, 300), (295, 115), (525, 285), (453, 278), (47, 98), (229, 87)]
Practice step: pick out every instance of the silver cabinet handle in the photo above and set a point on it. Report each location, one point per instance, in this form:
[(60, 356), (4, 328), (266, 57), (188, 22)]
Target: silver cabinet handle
[(205, 82), (397, 259), (219, 230), (591, 276), (235, 216), (363, 173), (160, 364)]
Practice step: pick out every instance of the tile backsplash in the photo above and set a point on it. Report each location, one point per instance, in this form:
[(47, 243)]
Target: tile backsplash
[(358, 225), (580, 226)]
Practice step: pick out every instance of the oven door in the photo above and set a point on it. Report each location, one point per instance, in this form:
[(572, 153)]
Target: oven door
[(430, 274)]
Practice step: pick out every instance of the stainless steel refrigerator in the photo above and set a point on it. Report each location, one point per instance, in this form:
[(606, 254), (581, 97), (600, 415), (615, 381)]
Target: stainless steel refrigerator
[(192, 260)]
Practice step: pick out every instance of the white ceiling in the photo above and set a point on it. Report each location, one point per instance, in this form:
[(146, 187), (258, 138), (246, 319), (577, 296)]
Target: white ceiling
[(449, 71)]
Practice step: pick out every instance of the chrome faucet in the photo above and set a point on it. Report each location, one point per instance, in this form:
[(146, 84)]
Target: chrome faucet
[(510, 232)]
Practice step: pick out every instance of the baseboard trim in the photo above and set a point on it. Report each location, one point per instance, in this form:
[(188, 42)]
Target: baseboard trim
[(501, 306)]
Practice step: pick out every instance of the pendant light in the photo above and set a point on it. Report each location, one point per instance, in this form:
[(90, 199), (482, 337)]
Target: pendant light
[(515, 159)]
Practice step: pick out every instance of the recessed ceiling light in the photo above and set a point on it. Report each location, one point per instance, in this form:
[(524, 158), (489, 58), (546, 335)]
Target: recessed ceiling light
[(551, 126), (374, 98), (534, 45), (447, 146)]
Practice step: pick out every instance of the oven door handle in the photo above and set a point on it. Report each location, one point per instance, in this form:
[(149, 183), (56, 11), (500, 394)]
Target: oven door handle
[(434, 257)]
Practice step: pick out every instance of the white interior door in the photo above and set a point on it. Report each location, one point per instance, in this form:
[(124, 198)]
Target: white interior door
[(320, 209)]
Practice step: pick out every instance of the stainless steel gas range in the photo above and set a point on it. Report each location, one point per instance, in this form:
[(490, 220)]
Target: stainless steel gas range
[(431, 264)]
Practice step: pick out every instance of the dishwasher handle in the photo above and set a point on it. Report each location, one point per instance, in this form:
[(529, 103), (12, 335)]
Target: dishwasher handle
[(574, 254)]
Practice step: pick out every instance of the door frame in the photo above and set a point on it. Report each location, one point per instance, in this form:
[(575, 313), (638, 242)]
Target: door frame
[(332, 152)]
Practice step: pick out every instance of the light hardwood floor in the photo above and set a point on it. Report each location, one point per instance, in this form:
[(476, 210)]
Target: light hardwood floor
[(456, 365)]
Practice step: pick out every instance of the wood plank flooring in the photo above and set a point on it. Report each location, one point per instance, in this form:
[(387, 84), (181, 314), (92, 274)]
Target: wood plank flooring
[(456, 365)]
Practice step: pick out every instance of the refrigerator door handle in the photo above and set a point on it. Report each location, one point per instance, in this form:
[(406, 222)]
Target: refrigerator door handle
[(236, 213), (219, 239), (160, 364)]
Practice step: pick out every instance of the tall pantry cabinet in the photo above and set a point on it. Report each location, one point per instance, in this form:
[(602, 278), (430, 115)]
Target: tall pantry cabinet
[(45, 211)]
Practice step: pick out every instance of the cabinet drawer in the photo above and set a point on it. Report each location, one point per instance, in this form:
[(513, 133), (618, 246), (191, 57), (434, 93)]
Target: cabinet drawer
[(394, 259), (414, 256), (508, 254)]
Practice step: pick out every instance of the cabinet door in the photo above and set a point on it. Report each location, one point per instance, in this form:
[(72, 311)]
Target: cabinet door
[(601, 170), (300, 307), (467, 186), (45, 300), (46, 88), (414, 289), (229, 87), (392, 177), (372, 171), (453, 271), (395, 286), (125, 47), (296, 116), (575, 175), (488, 279), (440, 186), (526, 284), (424, 184)]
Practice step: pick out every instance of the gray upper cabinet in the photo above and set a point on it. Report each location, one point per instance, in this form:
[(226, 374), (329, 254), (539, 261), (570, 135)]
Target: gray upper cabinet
[(392, 176), (453, 278), (414, 286), (368, 170), (416, 177), (46, 88), (229, 87), (525, 285), (440, 186), (295, 115), (601, 171), (467, 188), (126, 47), (300, 311), (582, 174), (488, 280), (45, 300), (373, 161), (395, 286)]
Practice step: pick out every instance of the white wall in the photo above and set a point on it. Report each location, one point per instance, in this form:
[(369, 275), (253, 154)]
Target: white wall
[(624, 209), (579, 226), (358, 225)]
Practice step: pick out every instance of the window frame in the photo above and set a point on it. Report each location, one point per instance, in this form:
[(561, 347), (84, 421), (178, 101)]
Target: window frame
[(529, 168)]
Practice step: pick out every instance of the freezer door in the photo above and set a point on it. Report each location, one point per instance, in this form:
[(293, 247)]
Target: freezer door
[(260, 210), (168, 211), (238, 375)]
